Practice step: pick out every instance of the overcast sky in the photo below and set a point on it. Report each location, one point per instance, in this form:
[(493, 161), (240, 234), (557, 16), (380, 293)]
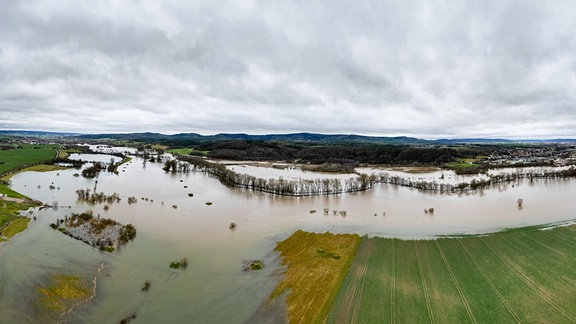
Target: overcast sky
[(430, 69)]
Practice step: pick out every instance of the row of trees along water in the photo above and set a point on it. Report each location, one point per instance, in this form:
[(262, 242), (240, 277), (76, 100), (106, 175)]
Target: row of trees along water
[(360, 182), (300, 187)]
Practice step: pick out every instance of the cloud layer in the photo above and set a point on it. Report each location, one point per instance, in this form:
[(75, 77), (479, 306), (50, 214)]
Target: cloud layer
[(421, 68)]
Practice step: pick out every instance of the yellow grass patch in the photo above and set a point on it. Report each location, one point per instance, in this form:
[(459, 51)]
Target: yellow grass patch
[(64, 292), (35, 168), (14, 227), (317, 265)]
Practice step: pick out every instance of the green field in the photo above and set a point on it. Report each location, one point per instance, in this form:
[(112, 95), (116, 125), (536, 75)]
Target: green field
[(467, 166), (17, 158), (186, 151), (526, 275)]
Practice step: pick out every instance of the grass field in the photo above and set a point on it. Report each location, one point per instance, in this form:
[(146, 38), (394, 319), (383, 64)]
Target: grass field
[(64, 154), (186, 151), (13, 159), (466, 166), (317, 265), (526, 275)]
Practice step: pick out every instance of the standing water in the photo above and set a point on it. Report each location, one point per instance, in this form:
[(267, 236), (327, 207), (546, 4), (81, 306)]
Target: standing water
[(174, 221)]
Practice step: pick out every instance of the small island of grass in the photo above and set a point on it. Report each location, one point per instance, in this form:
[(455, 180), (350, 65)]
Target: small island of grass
[(249, 265), (182, 264)]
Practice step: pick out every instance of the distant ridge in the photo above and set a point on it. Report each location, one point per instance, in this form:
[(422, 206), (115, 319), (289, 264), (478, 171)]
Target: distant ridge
[(321, 138), (291, 137), (36, 133), (502, 141), (475, 141)]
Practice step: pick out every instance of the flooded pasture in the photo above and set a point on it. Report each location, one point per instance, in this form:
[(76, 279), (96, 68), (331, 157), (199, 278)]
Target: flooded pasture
[(174, 221)]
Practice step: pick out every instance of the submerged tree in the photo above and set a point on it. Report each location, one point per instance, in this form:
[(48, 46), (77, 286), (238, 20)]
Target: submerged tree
[(93, 171)]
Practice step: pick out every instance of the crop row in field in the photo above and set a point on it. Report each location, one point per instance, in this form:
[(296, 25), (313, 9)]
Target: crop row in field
[(524, 275)]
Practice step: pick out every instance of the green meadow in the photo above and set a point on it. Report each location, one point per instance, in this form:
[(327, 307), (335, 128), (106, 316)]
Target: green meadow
[(186, 151), (30, 155)]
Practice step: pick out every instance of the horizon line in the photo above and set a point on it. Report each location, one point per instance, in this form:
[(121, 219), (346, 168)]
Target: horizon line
[(424, 138)]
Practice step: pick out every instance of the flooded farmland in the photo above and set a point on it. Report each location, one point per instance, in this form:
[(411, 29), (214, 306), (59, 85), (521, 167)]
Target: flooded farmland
[(174, 221)]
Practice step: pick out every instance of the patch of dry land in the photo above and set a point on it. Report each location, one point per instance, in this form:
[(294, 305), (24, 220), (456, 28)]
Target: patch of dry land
[(317, 265), (11, 220)]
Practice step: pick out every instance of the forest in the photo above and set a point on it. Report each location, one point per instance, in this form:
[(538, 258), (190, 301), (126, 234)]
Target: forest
[(346, 154)]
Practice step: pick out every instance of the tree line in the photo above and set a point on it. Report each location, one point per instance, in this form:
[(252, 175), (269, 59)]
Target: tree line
[(300, 187), (361, 182)]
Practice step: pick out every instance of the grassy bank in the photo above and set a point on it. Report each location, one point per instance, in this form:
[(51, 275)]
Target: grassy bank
[(5, 190), (11, 223), (317, 264), (124, 161), (35, 168), (26, 158), (16, 226), (523, 275)]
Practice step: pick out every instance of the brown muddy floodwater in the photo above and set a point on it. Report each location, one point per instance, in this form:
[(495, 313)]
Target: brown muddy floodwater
[(214, 289)]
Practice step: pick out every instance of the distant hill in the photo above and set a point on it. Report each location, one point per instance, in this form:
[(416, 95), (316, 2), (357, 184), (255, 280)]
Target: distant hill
[(295, 137), (313, 138), (502, 141), (474, 141), (194, 138), (35, 133)]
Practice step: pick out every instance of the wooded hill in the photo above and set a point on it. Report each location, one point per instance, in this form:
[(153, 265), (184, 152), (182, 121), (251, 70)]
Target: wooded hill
[(341, 149), (345, 150)]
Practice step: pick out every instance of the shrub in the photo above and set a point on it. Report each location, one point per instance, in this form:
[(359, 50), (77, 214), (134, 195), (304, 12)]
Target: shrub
[(127, 233), (147, 285), (256, 265)]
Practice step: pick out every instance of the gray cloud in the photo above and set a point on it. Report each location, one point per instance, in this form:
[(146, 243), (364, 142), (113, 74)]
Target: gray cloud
[(445, 69)]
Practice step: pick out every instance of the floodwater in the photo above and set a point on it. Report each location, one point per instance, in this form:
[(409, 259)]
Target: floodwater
[(214, 288)]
